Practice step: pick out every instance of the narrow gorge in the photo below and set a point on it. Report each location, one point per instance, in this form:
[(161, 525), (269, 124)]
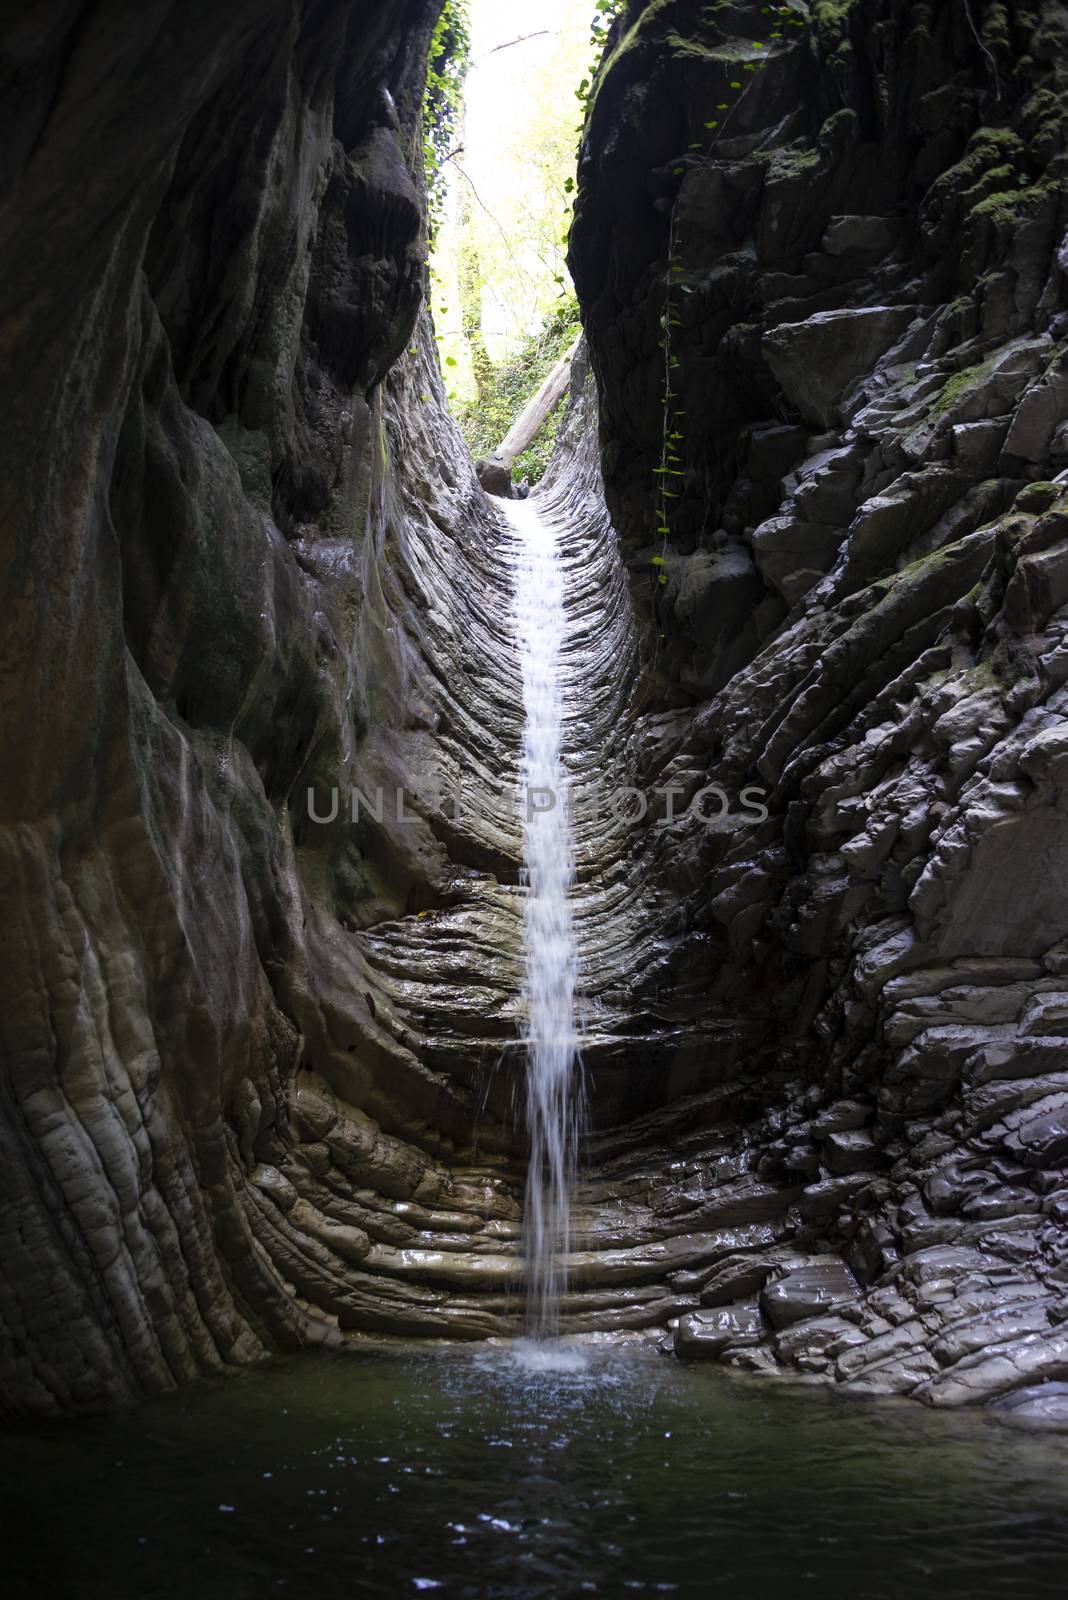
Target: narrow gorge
[(761, 1032)]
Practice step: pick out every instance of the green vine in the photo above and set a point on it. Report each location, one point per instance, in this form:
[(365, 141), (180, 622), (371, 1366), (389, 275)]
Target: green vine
[(606, 13), (447, 67)]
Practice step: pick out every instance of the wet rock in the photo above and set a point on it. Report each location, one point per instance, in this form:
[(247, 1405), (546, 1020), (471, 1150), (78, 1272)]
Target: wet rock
[(826, 1336), (735, 1278), (1048, 1013), (1043, 1405), (841, 1117), (806, 1291), (1039, 1136), (993, 1325), (705, 1335), (851, 1151)]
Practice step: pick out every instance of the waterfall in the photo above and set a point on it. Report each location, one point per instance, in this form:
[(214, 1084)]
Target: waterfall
[(553, 1076)]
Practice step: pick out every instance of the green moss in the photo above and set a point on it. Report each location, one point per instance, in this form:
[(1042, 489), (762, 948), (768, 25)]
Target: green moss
[(1041, 107), (982, 676), (728, 52), (989, 149), (629, 39), (959, 385), (993, 179), (998, 205), (996, 30), (957, 307), (1037, 497), (1002, 140), (924, 565), (1045, 120), (1008, 205), (787, 163), (832, 13)]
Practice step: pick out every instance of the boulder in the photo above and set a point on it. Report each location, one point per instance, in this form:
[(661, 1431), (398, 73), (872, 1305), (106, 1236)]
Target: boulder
[(849, 1151), (495, 476), (704, 1335), (738, 1275), (1042, 1405), (1037, 417), (808, 1290), (818, 361), (793, 555)]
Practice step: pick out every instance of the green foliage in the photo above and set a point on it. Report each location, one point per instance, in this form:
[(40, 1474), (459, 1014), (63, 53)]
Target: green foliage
[(499, 256), (606, 13), (447, 68), (516, 380), (533, 464)]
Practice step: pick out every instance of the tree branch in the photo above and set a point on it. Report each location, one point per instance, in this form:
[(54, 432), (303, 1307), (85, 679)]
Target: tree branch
[(542, 33)]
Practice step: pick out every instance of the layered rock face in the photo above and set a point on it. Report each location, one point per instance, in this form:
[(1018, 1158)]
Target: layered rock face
[(823, 254), (240, 572), (259, 1038)]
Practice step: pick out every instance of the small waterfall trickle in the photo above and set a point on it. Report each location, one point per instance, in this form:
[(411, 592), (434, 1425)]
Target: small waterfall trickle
[(555, 1110)]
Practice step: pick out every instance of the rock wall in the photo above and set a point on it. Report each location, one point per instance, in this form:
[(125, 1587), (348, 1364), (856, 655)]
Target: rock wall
[(850, 222), (239, 1083)]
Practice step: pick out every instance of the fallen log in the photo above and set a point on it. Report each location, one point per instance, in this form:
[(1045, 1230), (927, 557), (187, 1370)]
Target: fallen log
[(495, 470)]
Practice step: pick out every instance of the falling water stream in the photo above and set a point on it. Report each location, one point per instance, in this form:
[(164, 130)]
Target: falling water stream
[(395, 1471), (553, 1081)]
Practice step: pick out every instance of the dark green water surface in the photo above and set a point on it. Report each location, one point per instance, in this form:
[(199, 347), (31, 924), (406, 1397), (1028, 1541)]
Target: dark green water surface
[(459, 1473)]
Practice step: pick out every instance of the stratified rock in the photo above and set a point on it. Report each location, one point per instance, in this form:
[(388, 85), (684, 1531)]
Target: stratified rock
[(705, 1335), (806, 1291), (866, 354), (243, 576)]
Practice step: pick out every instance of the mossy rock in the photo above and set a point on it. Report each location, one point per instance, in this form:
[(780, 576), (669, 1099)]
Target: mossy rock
[(1037, 497), (1009, 205), (959, 385)]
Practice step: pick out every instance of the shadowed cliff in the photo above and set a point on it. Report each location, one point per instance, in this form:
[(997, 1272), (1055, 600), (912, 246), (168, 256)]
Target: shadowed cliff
[(822, 258)]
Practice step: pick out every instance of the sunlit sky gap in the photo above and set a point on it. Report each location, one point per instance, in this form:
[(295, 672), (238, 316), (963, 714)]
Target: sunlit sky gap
[(518, 141)]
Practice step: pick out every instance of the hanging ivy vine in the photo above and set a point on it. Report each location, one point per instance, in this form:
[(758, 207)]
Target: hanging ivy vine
[(447, 66)]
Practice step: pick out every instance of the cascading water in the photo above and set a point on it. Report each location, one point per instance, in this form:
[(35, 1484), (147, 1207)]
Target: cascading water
[(553, 1077)]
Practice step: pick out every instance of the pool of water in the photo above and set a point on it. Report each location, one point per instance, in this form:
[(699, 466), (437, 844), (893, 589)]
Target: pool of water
[(473, 1474)]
